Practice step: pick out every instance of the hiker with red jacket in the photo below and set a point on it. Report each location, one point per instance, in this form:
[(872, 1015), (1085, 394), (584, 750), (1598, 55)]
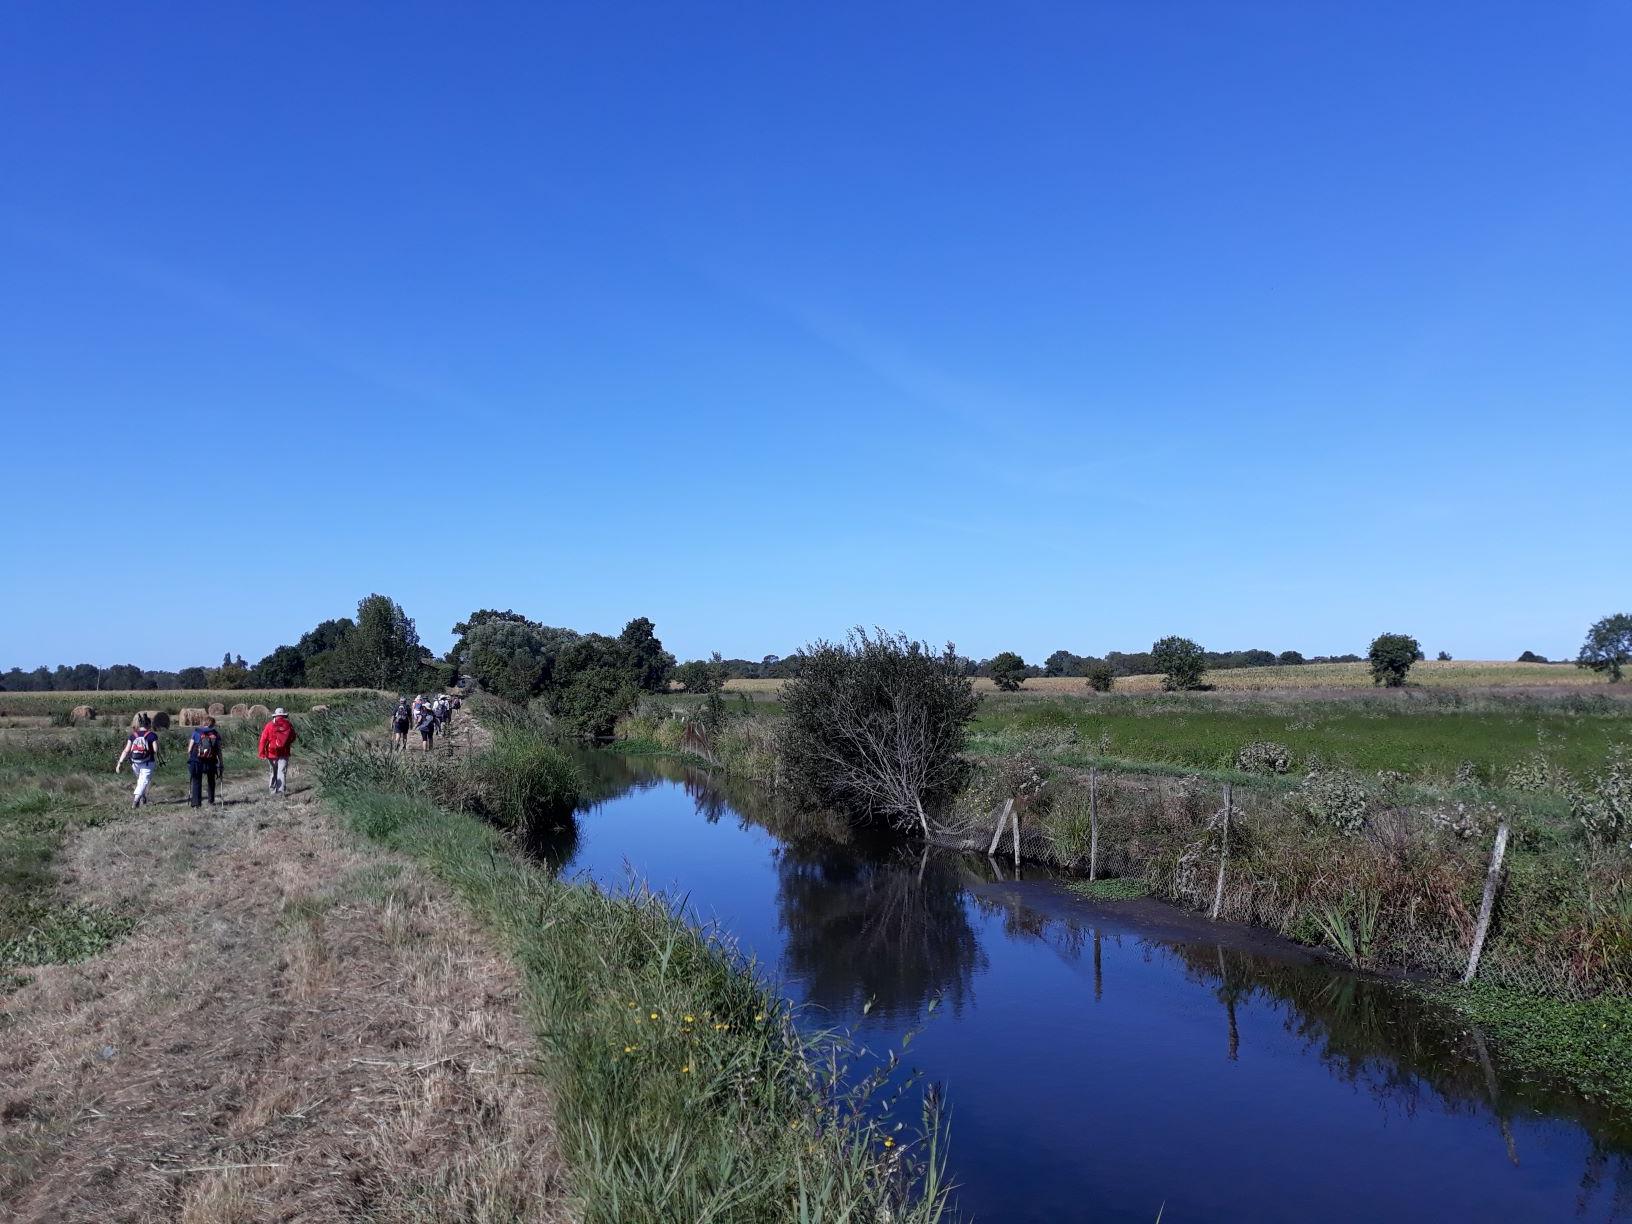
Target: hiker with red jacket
[(204, 761), (277, 737)]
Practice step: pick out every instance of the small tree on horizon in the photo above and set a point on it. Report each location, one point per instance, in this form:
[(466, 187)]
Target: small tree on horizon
[(1392, 655), (1608, 647), (1181, 662), (1100, 677), (1008, 671), (1444, 656)]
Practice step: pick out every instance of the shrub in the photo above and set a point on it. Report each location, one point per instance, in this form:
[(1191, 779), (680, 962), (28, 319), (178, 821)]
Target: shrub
[(1008, 671), (877, 726), (521, 780), (1444, 656), (1333, 799), (1605, 812), (1101, 678), (1392, 655), (1531, 656), (1180, 661), (1264, 757), (701, 675)]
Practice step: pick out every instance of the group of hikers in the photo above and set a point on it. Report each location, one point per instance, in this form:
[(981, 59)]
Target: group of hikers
[(206, 763), (423, 715)]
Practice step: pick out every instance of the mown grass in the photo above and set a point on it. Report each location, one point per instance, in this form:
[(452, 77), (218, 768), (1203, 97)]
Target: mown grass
[(55, 782), (683, 1088)]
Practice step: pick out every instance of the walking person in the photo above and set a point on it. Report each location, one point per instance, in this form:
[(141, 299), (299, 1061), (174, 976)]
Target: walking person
[(427, 727), (142, 747), (204, 763), (277, 737), (402, 721)]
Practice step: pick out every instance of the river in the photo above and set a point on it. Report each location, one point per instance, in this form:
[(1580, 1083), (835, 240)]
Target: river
[(1109, 1061)]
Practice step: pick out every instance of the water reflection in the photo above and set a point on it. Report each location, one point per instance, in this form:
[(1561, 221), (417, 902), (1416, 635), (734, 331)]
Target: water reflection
[(1234, 1077)]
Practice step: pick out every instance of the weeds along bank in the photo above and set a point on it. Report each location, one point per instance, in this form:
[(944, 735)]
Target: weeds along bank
[(682, 1087), (1382, 864)]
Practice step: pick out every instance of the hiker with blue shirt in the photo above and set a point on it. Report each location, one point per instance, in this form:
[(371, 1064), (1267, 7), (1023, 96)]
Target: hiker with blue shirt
[(204, 763)]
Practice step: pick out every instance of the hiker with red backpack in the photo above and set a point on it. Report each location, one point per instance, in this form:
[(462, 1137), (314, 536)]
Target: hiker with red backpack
[(204, 762), (142, 747), (277, 737)]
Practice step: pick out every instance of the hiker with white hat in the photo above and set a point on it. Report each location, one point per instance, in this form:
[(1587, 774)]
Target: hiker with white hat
[(277, 737)]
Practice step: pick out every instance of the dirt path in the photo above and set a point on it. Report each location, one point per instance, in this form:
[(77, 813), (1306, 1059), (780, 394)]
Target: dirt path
[(299, 1028)]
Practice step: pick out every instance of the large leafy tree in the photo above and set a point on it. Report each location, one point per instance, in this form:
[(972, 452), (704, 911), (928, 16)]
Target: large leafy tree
[(1007, 670), (1608, 647), (1392, 655), (382, 650), (650, 665), (1181, 662)]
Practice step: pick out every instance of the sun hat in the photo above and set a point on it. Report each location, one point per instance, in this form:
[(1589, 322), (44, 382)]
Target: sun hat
[(278, 713)]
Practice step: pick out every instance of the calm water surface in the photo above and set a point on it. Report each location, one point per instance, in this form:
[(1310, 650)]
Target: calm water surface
[(1102, 1060)]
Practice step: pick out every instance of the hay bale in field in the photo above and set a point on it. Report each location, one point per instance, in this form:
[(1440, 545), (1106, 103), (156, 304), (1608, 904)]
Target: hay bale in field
[(157, 719), (240, 711), (193, 716), (259, 711), (319, 709), (217, 708), (80, 712)]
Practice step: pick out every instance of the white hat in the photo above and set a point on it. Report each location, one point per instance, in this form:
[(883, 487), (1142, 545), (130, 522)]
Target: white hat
[(278, 713)]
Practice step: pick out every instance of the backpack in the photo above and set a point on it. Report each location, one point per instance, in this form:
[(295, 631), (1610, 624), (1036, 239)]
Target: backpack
[(282, 735), (141, 745), (205, 745), (400, 721)]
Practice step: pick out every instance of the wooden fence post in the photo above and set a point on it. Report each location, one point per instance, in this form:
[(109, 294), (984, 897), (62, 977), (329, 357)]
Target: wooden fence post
[(1093, 822), (1015, 817), (1002, 819), (1223, 856), (1487, 907)]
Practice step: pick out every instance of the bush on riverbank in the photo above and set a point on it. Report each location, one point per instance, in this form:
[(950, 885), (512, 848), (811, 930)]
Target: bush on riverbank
[(683, 1089)]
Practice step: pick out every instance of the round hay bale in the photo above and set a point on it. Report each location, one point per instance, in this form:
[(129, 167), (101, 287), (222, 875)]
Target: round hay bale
[(193, 716), (80, 712), (259, 711), (217, 708), (319, 709), (240, 711), (157, 719)]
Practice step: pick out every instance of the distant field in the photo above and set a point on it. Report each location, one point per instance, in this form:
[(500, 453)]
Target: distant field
[(128, 701), (1456, 674)]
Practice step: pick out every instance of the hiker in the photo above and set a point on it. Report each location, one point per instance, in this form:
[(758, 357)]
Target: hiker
[(204, 763), (142, 747), (277, 737), (427, 726), (402, 722), (444, 712), (417, 707)]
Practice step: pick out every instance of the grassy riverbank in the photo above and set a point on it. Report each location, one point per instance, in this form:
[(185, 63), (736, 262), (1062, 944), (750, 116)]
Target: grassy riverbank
[(683, 1088)]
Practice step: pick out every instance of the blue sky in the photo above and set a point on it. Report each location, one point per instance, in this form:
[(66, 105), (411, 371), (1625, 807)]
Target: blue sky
[(1025, 326)]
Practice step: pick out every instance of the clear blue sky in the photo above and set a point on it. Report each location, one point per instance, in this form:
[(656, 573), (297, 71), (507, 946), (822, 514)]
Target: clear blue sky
[(1026, 326)]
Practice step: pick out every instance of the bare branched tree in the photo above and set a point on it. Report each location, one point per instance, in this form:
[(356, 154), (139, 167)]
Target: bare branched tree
[(876, 726)]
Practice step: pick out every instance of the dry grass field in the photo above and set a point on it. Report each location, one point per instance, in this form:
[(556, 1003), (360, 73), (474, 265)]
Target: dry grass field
[(171, 701), (1471, 674)]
